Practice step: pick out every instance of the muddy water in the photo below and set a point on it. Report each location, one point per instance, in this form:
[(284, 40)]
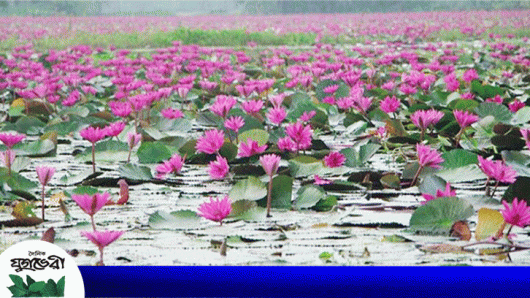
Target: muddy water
[(352, 235)]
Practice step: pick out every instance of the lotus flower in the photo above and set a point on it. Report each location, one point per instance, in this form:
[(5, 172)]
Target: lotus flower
[(102, 239), (518, 214), (216, 209)]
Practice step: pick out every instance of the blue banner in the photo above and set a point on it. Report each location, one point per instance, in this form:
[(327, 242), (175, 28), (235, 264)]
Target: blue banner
[(305, 281)]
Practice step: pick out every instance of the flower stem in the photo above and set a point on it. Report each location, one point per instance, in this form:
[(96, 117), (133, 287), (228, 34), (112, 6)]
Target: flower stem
[(269, 197), (494, 189), (43, 202), (458, 136), (129, 156), (94, 157), (93, 223), (101, 257), (8, 161), (416, 176)]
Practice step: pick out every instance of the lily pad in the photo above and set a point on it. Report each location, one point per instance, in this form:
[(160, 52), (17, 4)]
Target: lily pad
[(457, 158), (153, 152), (249, 189), (489, 223), (462, 174), (16, 181), (500, 112), (281, 195), (520, 189), (258, 135), (438, 216), (302, 166), (176, 220), (308, 196), (357, 156), (135, 172), (247, 210)]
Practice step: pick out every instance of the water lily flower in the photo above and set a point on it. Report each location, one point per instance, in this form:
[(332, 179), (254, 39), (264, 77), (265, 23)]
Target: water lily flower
[(234, 123), (11, 139), (44, 174), (300, 134), (216, 209), (93, 135), (276, 115), (171, 113), (389, 104), (173, 165), (320, 181), (102, 239), (249, 148), (270, 163), (331, 89), (120, 109), (518, 214), (427, 157), (222, 105), (218, 169), (465, 118), (470, 75), (114, 129), (525, 132), (334, 160), (211, 142), (497, 170), (424, 118), (306, 116), (91, 204), (448, 192), (516, 105), (252, 106)]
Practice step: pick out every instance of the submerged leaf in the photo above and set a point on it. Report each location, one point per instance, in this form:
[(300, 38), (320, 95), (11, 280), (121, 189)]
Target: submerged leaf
[(176, 220)]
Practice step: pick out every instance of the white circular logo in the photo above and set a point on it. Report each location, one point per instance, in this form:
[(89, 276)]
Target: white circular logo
[(39, 269)]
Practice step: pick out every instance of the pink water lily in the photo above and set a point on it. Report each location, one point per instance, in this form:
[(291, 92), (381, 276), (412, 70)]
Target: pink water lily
[(102, 239), (448, 192), (216, 209), (270, 163), (44, 174), (516, 214), (11, 139), (497, 170), (427, 157), (173, 165), (334, 160), (250, 147), (211, 142), (218, 169)]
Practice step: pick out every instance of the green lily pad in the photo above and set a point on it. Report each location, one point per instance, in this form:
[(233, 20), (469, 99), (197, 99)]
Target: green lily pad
[(302, 166), (38, 148), (462, 174), (438, 216), (520, 189), (258, 135), (247, 210), (249, 189), (176, 220), (153, 152), (357, 156), (16, 181), (500, 112), (457, 158), (135, 172), (281, 195), (308, 196), (325, 204)]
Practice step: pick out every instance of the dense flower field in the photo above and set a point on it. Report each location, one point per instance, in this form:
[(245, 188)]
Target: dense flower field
[(271, 155)]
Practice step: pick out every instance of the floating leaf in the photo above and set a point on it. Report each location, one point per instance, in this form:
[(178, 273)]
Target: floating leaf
[(176, 220), (135, 172), (153, 152), (489, 223), (500, 112), (173, 125), (308, 196), (247, 210), (23, 210), (438, 216), (16, 181), (518, 161), (357, 156), (228, 151), (302, 166), (48, 236), (82, 189), (457, 158), (22, 222), (460, 229), (391, 181), (325, 204), (442, 248), (258, 135), (249, 189), (522, 116), (281, 195), (395, 238), (412, 167), (508, 142), (519, 189), (37, 148), (462, 174), (78, 178), (431, 183)]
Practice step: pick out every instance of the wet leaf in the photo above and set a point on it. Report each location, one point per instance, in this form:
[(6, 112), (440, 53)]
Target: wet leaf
[(16, 181), (431, 183), (249, 189), (489, 223), (23, 210), (396, 239), (457, 158), (518, 161), (247, 210), (522, 116), (82, 189), (78, 178), (302, 166), (438, 216), (500, 112), (391, 181), (325, 204), (357, 156), (395, 128), (229, 151), (181, 125), (412, 167), (508, 142), (37, 148), (326, 256), (135, 172), (176, 220), (519, 189), (460, 229), (48, 236), (153, 152), (308, 196), (258, 135), (462, 174), (281, 195), (442, 248)]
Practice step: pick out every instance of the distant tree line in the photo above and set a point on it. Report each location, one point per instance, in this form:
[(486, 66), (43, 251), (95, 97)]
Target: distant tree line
[(261, 7)]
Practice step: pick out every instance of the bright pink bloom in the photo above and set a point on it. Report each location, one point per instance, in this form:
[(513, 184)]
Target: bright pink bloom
[(497, 170), (222, 105), (464, 118), (407, 89), (518, 214), (424, 118), (345, 103), (11, 139), (216, 209), (270, 163), (330, 100), (361, 103), (173, 165), (133, 139), (71, 99), (300, 134), (218, 169), (428, 157), (250, 147), (252, 106), (211, 142), (331, 89), (452, 84), (467, 95), (277, 115), (334, 160), (45, 174), (515, 106), (470, 75), (286, 144), (525, 132), (389, 104), (448, 192), (91, 204), (497, 99), (114, 129), (120, 109), (102, 238), (320, 181), (170, 113), (306, 116), (93, 134), (234, 123)]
